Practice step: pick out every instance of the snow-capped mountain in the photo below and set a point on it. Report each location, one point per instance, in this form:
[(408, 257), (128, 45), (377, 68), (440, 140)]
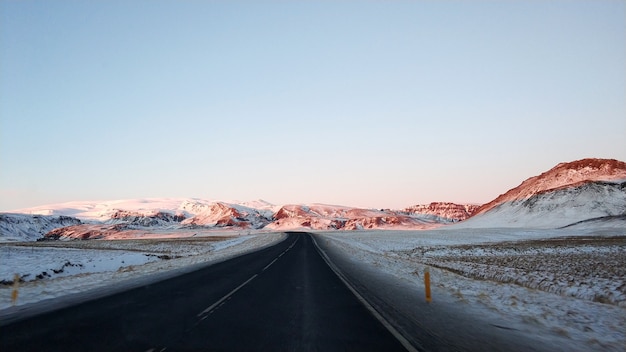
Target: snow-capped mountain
[(138, 217), (444, 211), (190, 214), (333, 217), (224, 214), (588, 191), (131, 217), (569, 193)]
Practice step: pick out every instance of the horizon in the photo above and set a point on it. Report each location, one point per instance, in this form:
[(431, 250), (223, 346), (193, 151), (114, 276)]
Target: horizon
[(227, 201), (370, 105), (143, 200)]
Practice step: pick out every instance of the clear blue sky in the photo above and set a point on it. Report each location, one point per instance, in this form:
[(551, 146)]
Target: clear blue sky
[(371, 104)]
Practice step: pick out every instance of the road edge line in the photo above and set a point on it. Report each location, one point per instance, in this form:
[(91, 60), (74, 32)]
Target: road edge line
[(363, 301)]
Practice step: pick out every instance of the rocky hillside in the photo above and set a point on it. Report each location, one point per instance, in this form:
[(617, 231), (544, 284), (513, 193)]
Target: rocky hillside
[(228, 215), (575, 192), (563, 175), (23, 227), (444, 212), (329, 217)]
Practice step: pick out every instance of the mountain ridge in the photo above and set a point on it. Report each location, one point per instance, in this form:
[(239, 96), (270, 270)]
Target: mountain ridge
[(569, 193)]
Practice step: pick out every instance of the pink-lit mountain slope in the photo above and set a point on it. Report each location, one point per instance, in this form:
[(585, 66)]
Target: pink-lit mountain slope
[(588, 192), (330, 217), (131, 218), (569, 193), (444, 211), (151, 218), (224, 214), (189, 214)]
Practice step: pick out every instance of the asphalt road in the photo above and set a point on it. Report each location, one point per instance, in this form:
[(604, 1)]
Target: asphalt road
[(282, 298)]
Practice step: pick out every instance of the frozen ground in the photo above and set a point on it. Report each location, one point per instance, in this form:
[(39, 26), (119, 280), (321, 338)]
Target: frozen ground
[(571, 283), (53, 269), (568, 282)]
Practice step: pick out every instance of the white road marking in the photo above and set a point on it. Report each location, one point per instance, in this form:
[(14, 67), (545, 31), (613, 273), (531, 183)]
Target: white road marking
[(203, 315), (363, 301), (281, 254), (270, 264), (210, 308)]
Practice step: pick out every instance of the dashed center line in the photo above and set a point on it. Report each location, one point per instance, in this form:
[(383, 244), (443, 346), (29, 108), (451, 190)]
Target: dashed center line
[(204, 314), (210, 308), (270, 264), (281, 254)]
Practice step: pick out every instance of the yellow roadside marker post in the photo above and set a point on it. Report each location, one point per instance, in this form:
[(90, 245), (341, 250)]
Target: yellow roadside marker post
[(16, 287), (427, 285)]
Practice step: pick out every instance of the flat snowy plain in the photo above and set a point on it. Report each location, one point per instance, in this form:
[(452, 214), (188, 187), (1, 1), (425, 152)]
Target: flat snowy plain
[(569, 282)]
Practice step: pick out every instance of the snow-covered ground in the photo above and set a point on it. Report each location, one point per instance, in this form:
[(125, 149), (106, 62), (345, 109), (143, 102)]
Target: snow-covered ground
[(53, 269), (568, 282)]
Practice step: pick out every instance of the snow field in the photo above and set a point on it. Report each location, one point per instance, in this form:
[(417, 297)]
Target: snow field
[(102, 264), (539, 287), (39, 263), (585, 268)]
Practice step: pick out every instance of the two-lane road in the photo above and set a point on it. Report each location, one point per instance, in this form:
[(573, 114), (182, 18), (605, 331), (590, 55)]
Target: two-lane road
[(282, 298)]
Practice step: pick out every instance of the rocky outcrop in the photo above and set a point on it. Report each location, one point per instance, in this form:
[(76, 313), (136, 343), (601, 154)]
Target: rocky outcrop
[(445, 211), (228, 215), (154, 218), (328, 217), (26, 227), (85, 232)]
